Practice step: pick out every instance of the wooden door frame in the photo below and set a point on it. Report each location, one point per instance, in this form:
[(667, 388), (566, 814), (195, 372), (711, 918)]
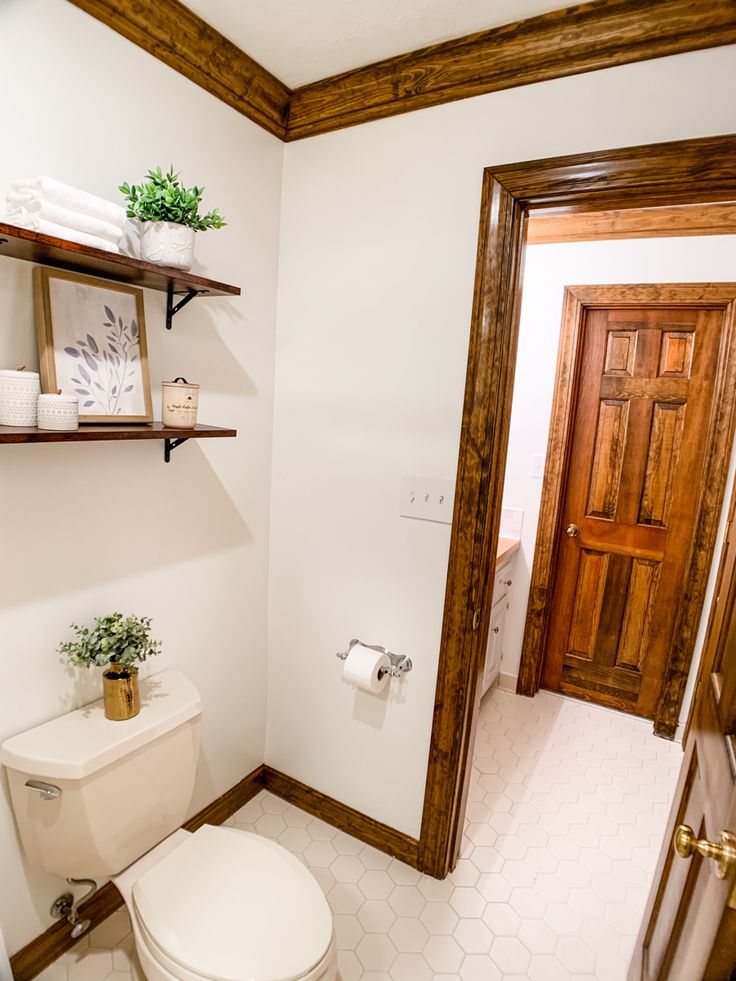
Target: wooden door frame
[(578, 300), (683, 172)]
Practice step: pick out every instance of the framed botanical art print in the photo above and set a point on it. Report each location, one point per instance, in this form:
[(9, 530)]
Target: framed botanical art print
[(92, 343)]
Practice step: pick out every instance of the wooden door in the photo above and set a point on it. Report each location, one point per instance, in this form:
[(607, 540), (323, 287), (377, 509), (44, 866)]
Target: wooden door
[(647, 379), (689, 928)]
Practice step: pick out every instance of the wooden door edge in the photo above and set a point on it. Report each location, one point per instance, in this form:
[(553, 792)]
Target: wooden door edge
[(721, 434)]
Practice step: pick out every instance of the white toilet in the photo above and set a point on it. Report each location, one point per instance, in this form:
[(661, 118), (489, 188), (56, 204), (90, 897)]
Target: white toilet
[(99, 799)]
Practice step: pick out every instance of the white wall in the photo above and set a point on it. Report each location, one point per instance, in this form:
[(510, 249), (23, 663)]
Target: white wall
[(86, 529), (377, 259), (549, 268)]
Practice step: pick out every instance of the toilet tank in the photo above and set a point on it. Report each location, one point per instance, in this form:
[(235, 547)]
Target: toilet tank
[(124, 786)]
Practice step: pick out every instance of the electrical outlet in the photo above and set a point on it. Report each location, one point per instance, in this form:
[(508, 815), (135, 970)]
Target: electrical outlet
[(537, 465), (427, 498)]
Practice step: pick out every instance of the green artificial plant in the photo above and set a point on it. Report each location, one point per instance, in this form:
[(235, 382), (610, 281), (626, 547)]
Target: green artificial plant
[(162, 197), (114, 639)]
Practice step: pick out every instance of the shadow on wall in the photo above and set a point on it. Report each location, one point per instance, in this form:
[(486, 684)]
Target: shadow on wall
[(77, 516)]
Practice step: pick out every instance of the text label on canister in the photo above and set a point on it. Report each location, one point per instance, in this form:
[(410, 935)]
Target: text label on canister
[(179, 404)]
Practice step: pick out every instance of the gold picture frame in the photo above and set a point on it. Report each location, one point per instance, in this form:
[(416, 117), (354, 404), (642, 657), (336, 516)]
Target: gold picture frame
[(92, 343)]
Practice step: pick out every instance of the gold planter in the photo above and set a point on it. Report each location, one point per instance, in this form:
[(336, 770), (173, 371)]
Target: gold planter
[(121, 694)]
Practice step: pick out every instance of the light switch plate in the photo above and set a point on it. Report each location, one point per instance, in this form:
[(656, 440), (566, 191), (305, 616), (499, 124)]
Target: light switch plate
[(512, 521), (427, 498), (537, 465)]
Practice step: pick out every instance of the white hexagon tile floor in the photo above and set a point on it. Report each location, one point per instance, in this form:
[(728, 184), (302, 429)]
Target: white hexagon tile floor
[(568, 804)]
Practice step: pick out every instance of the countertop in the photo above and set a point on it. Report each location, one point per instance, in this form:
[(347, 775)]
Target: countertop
[(506, 548)]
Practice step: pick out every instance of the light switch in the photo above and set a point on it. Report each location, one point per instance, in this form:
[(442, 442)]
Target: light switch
[(428, 498), (537, 465)]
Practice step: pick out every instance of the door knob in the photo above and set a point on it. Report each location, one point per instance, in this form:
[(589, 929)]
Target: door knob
[(723, 852), (572, 531)]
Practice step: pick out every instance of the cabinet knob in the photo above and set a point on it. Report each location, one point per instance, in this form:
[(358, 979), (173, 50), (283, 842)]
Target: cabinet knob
[(507, 582), (496, 629), (572, 531)]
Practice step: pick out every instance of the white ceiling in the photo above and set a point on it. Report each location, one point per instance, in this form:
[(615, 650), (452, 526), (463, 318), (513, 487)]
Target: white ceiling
[(301, 41)]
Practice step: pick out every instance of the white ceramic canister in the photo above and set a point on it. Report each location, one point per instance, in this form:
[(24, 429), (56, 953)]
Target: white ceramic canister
[(19, 391), (58, 412), (179, 404), (167, 243)]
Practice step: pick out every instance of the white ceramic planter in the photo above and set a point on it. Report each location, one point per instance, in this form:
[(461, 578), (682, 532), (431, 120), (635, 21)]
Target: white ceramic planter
[(19, 391), (179, 404), (58, 412), (167, 243)]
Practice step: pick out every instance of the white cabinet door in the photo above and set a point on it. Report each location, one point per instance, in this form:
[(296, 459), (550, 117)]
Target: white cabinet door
[(495, 644)]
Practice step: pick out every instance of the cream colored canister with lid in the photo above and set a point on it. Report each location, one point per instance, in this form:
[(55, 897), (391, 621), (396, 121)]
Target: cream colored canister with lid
[(19, 391), (179, 404)]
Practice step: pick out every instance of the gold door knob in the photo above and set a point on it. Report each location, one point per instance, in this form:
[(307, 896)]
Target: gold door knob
[(572, 531), (723, 852)]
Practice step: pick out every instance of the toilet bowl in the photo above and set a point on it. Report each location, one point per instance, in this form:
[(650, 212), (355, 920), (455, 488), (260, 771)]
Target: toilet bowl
[(228, 905), (94, 798)]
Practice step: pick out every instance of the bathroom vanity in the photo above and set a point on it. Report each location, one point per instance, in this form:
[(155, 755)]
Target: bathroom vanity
[(502, 583)]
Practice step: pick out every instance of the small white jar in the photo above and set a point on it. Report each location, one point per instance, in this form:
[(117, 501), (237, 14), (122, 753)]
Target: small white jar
[(179, 404), (58, 412), (19, 391)]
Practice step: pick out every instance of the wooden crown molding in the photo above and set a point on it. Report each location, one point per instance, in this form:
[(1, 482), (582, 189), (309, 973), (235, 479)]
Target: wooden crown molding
[(180, 38), (586, 37)]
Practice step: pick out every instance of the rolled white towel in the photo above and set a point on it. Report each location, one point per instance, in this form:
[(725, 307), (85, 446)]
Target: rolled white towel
[(63, 216), (33, 223), (72, 198)]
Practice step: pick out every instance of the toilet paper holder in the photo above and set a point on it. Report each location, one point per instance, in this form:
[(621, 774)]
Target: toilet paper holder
[(400, 664)]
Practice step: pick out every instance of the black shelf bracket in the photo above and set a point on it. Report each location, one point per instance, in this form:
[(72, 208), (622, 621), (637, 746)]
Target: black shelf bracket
[(173, 308), (170, 445)]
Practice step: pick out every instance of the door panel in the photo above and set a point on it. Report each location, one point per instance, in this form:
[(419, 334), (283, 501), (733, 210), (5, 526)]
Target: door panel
[(646, 388), (689, 928)]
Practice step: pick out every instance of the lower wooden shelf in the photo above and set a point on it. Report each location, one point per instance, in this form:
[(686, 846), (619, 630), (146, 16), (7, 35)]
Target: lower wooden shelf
[(89, 434)]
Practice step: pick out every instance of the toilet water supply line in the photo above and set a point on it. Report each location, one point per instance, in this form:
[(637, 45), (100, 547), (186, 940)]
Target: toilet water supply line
[(67, 906)]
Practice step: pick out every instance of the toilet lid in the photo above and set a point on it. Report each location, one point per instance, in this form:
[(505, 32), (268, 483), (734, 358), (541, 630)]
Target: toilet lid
[(230, 905)]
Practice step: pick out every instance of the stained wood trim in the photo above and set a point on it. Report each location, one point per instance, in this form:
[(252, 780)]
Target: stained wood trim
[(341, 816), (583, 38), (474, 538), (174, 34), (578, 299), (40, 953), (698, 219), (712, 494), (685, 172)]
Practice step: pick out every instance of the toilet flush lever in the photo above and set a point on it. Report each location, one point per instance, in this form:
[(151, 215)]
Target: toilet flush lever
[(47, 790)]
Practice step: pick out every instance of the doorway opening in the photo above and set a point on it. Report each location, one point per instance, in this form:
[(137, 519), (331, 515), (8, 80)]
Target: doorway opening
[(688, 172), (639, 442)]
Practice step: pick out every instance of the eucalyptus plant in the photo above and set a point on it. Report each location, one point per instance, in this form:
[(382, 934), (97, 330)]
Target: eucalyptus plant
[(162, 197), (113, 639)]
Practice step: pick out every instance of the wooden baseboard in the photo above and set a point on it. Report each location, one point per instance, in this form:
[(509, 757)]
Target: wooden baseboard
[(347, 819), (40, 953)]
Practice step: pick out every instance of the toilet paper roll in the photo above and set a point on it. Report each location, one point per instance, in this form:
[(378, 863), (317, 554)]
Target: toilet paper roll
[(362, 666)]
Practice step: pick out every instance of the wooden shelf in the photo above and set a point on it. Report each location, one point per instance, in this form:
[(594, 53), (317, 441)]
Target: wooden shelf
[(19, 243), (92, 434)]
